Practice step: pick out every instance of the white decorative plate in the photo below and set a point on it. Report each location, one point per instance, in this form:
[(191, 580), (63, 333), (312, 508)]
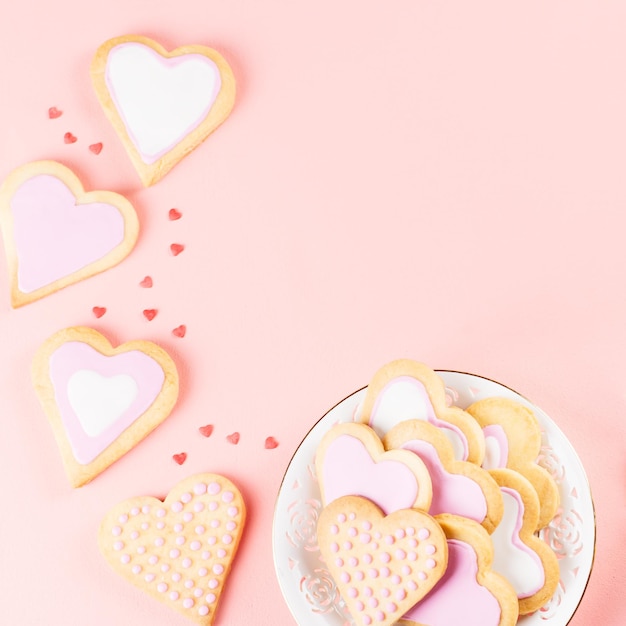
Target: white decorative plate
[(309, 589)]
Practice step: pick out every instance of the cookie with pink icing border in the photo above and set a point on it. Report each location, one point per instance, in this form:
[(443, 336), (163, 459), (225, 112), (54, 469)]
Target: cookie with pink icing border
[(101, 400), (180, 550), (470, 592), (56, 233), (351, 460), (513, 440), (162, 103), (526, 561), (405, 389), (459, 487), (382, 564)]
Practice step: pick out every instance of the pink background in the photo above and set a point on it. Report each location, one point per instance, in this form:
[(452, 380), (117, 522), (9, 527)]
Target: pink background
[(442, 181)]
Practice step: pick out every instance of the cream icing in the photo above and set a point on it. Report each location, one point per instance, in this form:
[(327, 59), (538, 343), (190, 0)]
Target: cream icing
[(160, 99), (452, 493), (458, 598), (406, 398), (91, 430), (54, 236), (348, 469), (496, 447), (520, 565)]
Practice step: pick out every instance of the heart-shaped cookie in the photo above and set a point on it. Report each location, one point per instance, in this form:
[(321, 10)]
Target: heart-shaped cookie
[(382, 565), (56, 234), (351, 461), (179, 550), (101, 401), (162, 104)]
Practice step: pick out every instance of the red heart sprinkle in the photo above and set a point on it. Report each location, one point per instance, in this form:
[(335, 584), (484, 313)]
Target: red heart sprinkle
[(150, 314), (96, 148), (146, 282), (180, 458), (53, 113), (99, 311), (233, 438), (271, 443), (175, 214), (69, 138), (206, 431), (177, 248), (179, 331)]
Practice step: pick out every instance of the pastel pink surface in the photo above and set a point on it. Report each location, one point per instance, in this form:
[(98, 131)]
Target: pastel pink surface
[(438, 181), (349, 470), (54, 236)]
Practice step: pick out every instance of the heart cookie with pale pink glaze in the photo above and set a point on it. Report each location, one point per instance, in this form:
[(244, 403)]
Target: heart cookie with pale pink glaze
[(101, 401), (382, 565), (56, 234), (162, 104), (180, 550)]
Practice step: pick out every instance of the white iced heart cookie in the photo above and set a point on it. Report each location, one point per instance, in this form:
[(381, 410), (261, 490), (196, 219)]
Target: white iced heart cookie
[(162, 104)]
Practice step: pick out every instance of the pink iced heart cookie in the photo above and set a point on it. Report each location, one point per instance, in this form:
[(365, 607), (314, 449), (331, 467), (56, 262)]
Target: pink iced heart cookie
[(351, 460), (101, 401), (162, 104), (56, 234), (469, 592), (382, 565), (408, 390), (179, 550)]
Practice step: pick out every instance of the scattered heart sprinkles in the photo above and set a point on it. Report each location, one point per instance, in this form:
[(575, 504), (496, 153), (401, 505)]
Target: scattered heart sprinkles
[(175, 214), (180, 458), (146, 283), (206, 431), (271, 443), (176, 248), (180, 331), (99, 311), (54, 113), (150, 314), (69, 138), (96, 148)]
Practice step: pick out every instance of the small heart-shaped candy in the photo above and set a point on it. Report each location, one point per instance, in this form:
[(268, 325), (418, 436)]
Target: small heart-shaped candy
[(101, 401), (180, 458), (271, 443), (180, 551), (179, 331), (233, 438), (69, 138), (54, 113), (146, 282), (150, 314), (96, 148), (99, 311), (206, 431), (56, 234), (175, 214), (162, 104), (176, 248), (382, 565)]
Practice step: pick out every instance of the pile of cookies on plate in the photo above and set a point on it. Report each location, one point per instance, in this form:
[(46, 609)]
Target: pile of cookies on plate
[(431, 512)]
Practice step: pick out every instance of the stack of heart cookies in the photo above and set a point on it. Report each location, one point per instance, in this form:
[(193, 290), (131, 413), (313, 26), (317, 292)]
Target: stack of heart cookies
[(431, 512)]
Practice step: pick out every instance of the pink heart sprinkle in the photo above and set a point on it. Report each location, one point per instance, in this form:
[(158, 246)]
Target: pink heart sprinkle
[(271, 443), (177, 248), (99, 311), (69, 138), (53, 113), (150, 314), (233, 438), (96, 148), (175, 214), (146, 282), (206, 431), (180, 458), (180, 331)]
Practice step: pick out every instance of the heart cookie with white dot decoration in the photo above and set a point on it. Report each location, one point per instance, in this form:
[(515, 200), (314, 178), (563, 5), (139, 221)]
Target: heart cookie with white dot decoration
[(179, 550), (56, 233), (100, 400), (382, 565), (162, 104)]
